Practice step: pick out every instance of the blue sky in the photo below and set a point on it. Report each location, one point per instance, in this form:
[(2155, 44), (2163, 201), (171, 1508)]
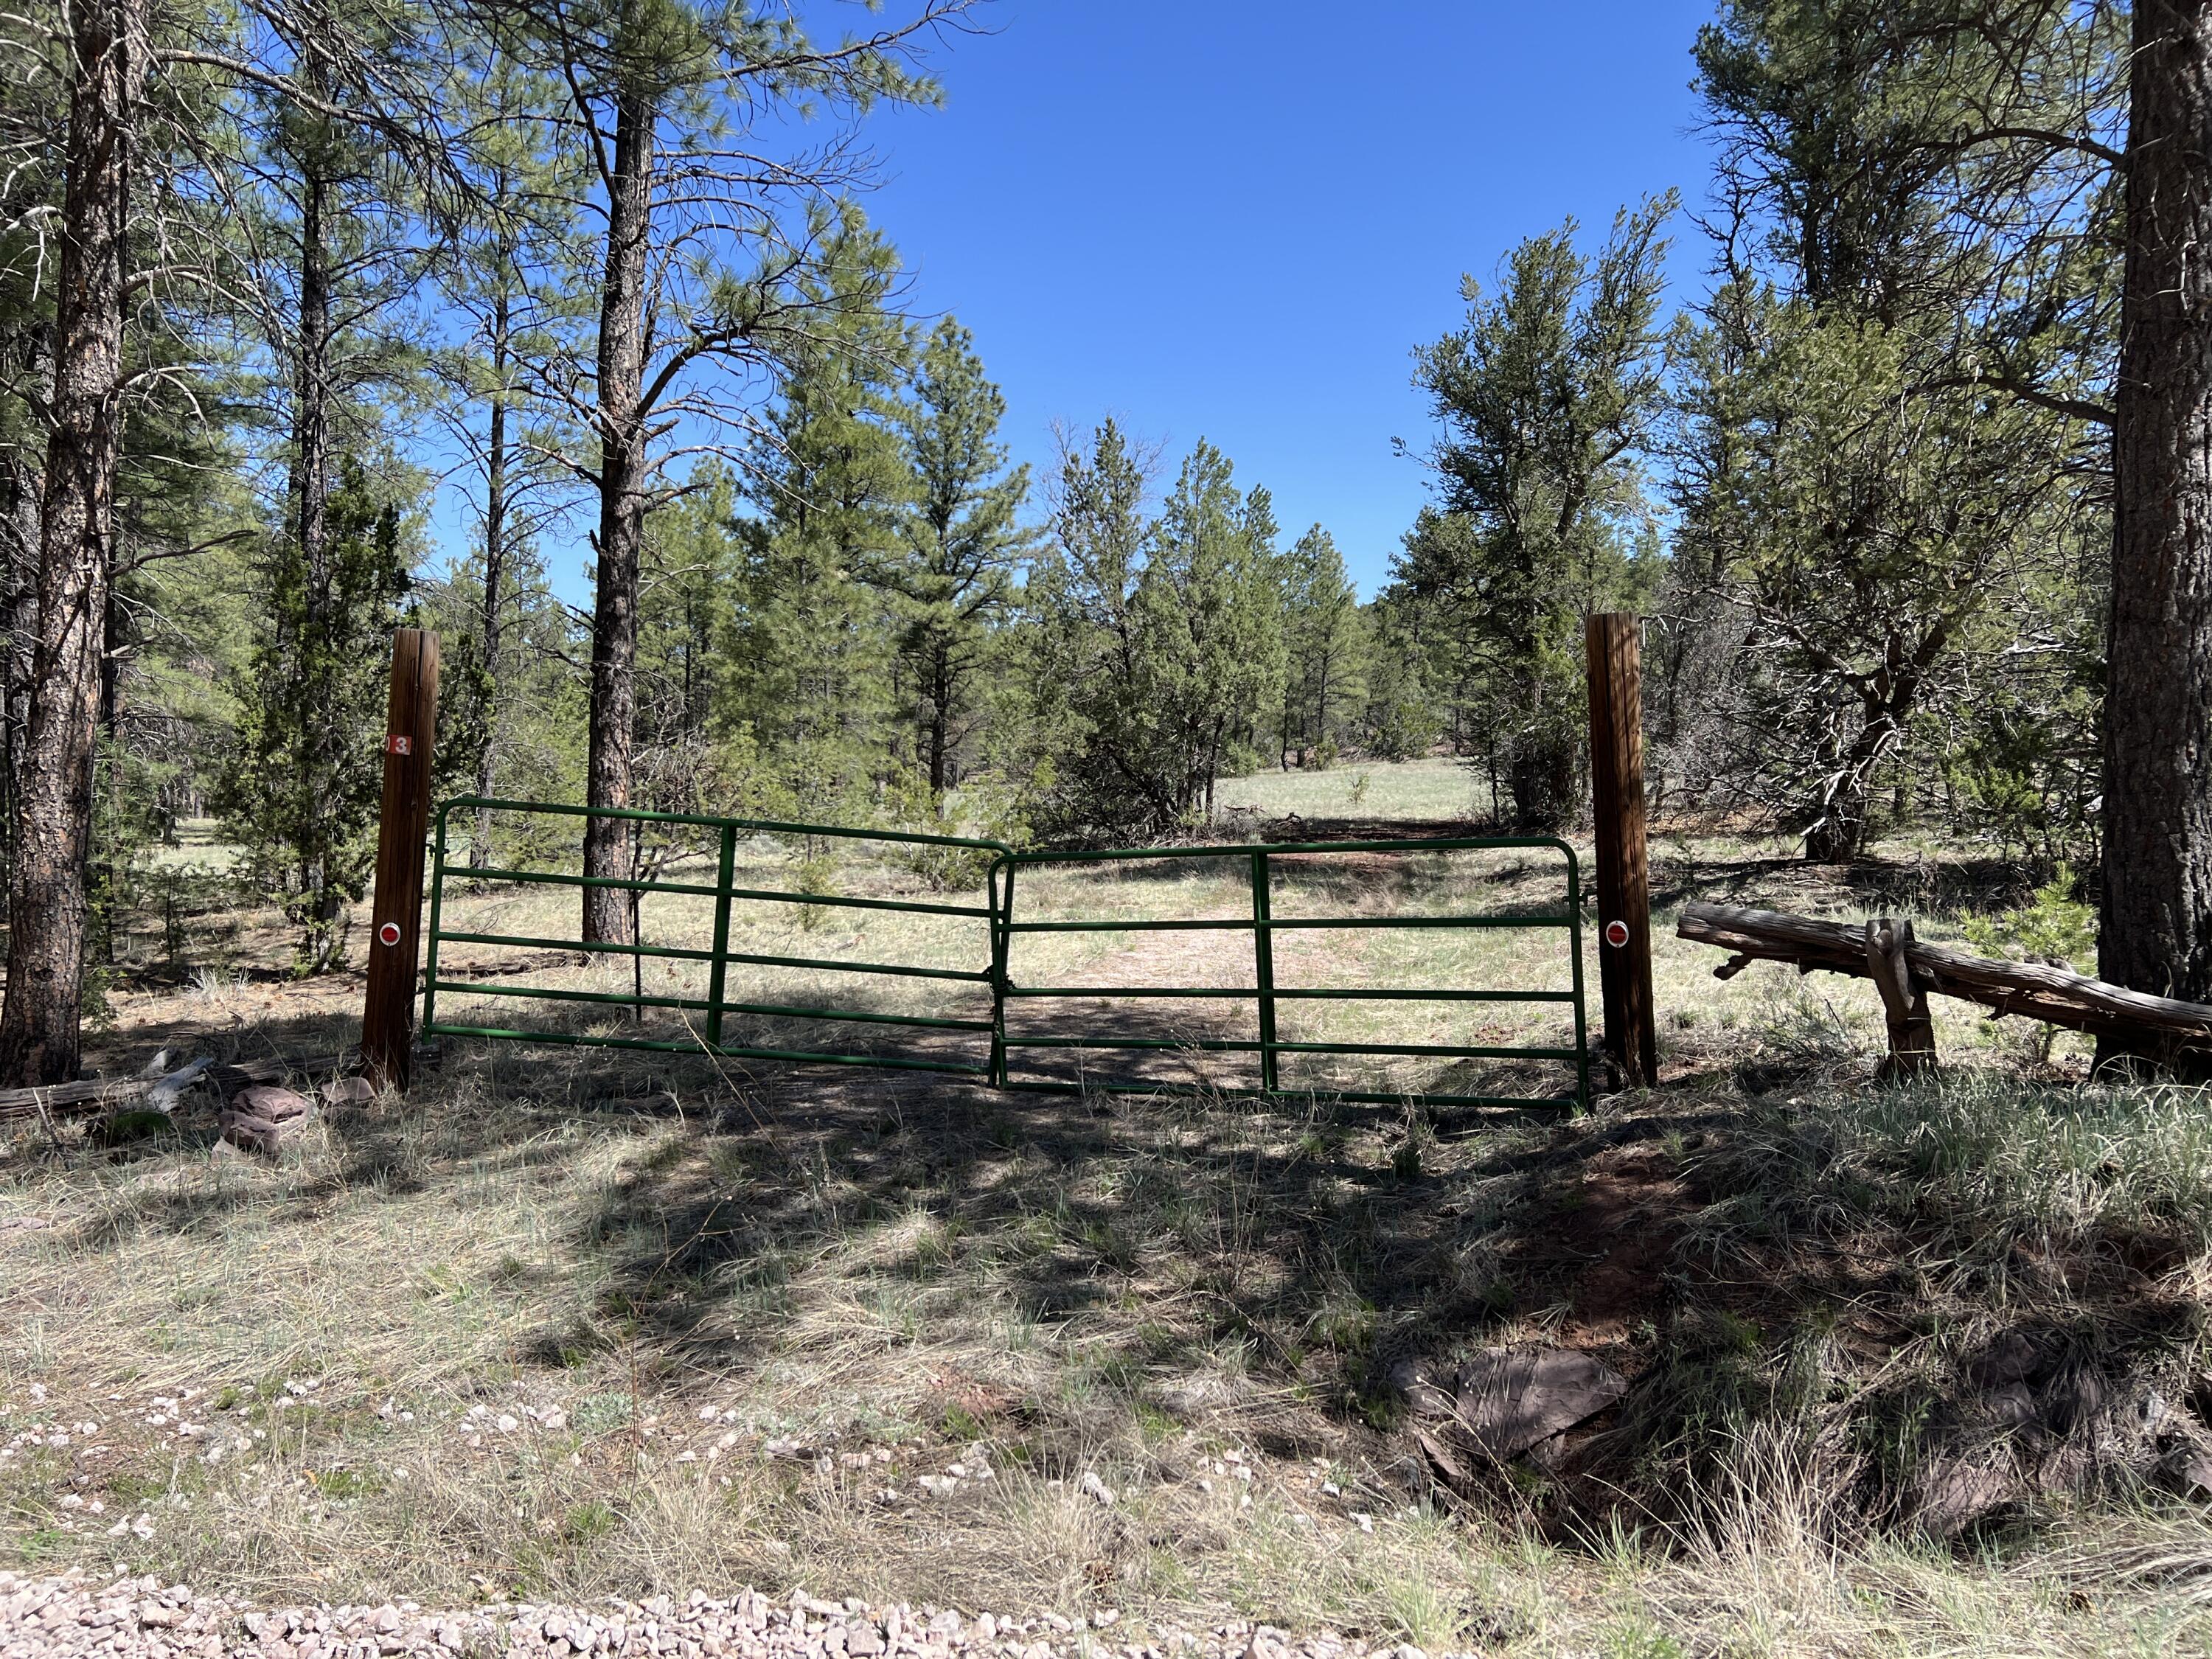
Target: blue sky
[(1234, 219)]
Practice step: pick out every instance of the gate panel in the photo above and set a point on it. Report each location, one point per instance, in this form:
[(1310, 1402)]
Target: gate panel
[(716, 955), (1267, 928), (1260, 918)]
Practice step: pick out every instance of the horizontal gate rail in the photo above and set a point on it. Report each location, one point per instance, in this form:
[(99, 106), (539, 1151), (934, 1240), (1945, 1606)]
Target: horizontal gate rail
[(1332, 994), (1264, 926), (719, 956)]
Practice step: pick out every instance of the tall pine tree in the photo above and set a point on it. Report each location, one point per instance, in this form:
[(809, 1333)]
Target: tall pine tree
[(960, 539)]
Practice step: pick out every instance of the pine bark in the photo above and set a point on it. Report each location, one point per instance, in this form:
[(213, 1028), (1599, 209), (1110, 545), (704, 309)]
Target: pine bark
[(2157, 901), (46, 908), (22, 485), (607, 842), (494, 567), (941, 677), (311, 498)]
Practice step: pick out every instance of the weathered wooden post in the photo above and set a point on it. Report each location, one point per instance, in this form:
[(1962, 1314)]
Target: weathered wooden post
[(1904, 999), (1624, 887), (410, 725)]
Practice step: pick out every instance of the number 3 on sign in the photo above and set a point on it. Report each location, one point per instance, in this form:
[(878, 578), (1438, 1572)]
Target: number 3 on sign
[(398, 743)]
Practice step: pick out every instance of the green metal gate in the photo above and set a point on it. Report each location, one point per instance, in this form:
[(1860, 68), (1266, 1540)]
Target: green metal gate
[(1264, 865), (723, 835), (1003, 1054)]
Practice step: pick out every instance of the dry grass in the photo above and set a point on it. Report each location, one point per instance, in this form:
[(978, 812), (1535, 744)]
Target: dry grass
[(467, 1341), (570, 1322)]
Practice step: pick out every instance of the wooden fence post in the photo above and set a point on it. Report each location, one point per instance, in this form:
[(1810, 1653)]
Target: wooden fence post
[(1624, 889), (410, 725), (1904, 999)]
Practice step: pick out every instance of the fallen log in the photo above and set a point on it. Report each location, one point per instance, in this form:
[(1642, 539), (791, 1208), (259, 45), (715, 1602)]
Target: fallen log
[(97, 1094), (2034, 990)]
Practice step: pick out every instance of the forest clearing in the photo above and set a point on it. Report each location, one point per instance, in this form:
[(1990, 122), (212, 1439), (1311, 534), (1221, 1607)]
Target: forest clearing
[(563, 1324), (884, 828)]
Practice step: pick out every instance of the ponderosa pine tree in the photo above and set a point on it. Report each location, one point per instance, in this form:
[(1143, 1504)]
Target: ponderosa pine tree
[(113, 61), (2157, 909), (340, 250), (707, 215), (960, 540), (1322, 640), (109, 55), (517, 165), (811, 649)]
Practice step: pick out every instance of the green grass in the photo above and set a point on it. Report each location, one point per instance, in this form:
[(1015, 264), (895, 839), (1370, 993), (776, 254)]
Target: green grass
[(1425, 791)]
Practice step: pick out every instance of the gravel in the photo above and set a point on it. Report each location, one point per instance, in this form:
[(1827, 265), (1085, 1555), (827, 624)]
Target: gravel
[(145, 1618)]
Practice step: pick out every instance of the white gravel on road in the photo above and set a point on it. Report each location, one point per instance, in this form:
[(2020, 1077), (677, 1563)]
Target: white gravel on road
[(143, 1619)]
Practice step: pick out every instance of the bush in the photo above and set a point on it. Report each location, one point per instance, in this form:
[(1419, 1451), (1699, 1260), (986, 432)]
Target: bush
[(2056, 928)]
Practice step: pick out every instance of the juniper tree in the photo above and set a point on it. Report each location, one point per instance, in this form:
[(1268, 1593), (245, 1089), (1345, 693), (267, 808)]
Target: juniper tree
[(1861, 531), (1889, 445), (305, 780), (1212, 619), (1158, 641), (1545, 395)]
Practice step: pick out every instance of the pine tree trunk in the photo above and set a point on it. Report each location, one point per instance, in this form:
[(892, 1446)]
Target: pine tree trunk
[(39, 1028), (607, 842), (495, 570), (320, 897), (20, 488), (2157, 903), (940, 694)]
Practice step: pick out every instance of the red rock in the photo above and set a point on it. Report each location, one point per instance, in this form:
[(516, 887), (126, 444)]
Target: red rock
[(267, 1101)]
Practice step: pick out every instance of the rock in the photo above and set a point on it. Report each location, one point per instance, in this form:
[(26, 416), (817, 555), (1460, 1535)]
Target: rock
[(269, 1102), (2186, 1471), (1096, 1488), (1510, 1402), (251, 1134), (349, 1092), (1426, 1395), (1957, 1494), (2011, 1358), (864, 1640)]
